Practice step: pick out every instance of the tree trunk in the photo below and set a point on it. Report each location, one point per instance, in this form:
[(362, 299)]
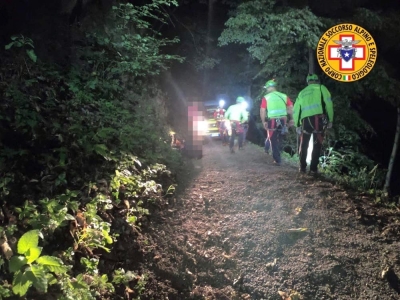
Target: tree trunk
[(386, 188), (311, 57)]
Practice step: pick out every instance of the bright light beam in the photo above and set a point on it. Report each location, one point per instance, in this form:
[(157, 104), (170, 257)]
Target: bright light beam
[(310, 149)]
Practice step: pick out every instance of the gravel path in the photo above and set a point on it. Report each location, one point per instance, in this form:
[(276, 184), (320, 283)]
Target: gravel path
[(246, 229)]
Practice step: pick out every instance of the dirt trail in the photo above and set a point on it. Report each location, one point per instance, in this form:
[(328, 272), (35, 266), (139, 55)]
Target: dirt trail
[(227, 236)]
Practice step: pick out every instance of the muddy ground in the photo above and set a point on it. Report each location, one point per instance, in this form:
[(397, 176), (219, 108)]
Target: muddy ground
[(229, 234)]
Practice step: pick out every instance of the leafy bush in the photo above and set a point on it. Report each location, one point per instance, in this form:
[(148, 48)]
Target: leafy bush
[(348, 164), (30, 268), (55, 124), (65, 132)]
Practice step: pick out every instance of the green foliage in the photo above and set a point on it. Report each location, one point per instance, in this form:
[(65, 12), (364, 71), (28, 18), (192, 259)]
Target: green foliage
[(141, 285), (131, 184), (98, 283), (59, 124), (122, 49), (278, 37), (5, 290), (75, 288), (349, 121), (96, 236), (130, 121), (364, 178), (101, 285), (136, 182), (122, 277), (65, 127), (50, 213), (30, 268), (23, 42), (348, 164)]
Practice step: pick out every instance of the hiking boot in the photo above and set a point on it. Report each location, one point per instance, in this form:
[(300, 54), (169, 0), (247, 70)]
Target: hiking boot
[(302, 170), (232, 150), (277, 163), (241, 148), (313, 173)]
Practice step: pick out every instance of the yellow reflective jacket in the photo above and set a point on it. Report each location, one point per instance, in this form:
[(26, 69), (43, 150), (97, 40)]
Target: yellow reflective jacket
[(276, 104), (315, 99), (236, 112)]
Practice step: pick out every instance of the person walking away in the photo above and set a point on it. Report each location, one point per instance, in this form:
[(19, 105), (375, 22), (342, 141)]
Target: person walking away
[(236, 114), (274, 111), (313, 114), (224, 129)]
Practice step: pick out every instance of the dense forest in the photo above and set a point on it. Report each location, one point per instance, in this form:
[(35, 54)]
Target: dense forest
[(91, 90)]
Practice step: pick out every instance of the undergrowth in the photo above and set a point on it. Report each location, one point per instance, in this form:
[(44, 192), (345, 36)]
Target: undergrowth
[(343, 161), (85, 157)]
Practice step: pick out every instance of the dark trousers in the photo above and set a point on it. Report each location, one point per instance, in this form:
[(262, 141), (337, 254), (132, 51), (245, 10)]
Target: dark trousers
[(314, 125), (223, 133), (275, 138), (225, 138), (246, 129), (237, 130)]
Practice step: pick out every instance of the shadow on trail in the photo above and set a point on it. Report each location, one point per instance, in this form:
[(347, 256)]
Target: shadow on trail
[(394, 281)]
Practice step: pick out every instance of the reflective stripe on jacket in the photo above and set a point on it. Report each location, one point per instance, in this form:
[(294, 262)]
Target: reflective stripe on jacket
[(309, 103), (276, 104)]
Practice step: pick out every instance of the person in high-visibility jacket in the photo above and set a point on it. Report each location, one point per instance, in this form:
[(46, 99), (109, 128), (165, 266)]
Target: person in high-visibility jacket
[(237, 115), (313, 114), (277, 107)]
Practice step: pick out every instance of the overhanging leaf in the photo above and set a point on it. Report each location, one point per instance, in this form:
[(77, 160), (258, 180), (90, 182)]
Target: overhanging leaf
[(8, 46), (33, 253), (107, 237), (21, 283), (79, 283), (16, 263), (38, 277), (100, 149), (69, 217), (51, 279), (32, 55), (53, 264), (28, 240)]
